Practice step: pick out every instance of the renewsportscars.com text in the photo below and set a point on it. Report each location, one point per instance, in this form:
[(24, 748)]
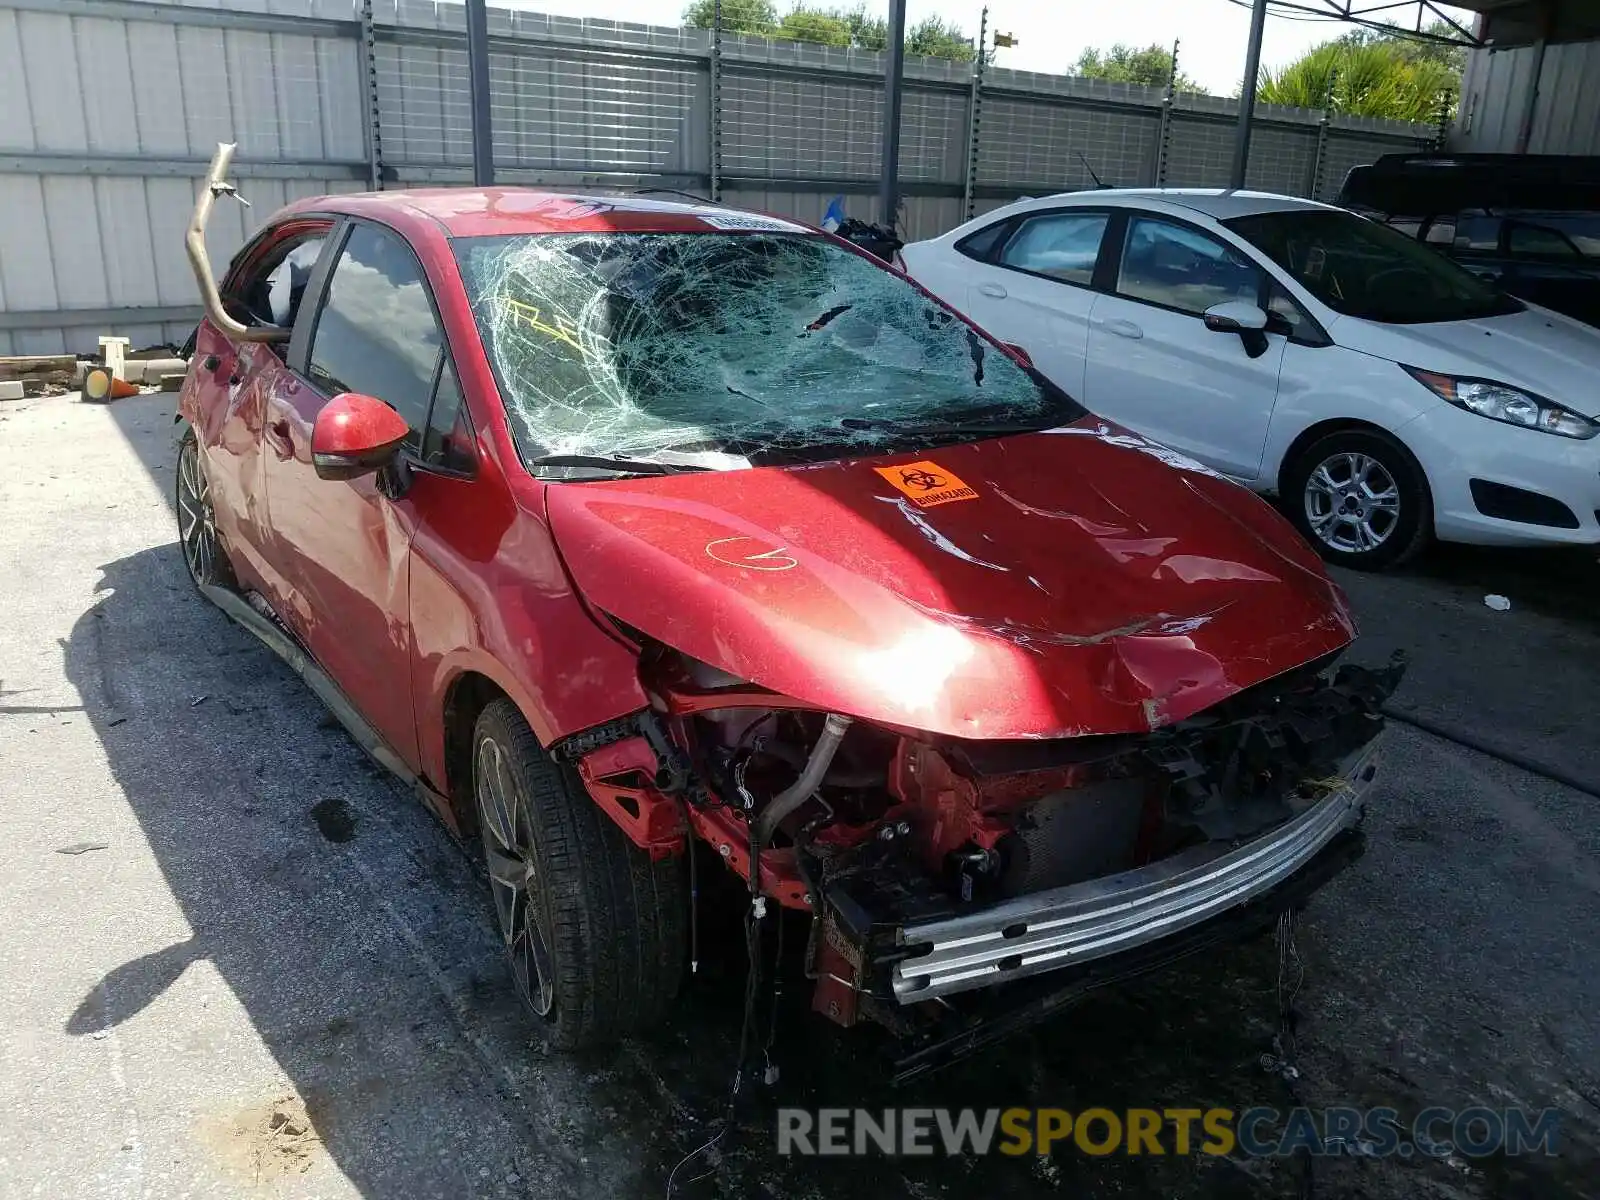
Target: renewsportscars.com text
[(1255, 1132)]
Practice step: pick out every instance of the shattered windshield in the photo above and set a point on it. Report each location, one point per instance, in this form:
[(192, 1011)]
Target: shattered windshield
[(759, 345)]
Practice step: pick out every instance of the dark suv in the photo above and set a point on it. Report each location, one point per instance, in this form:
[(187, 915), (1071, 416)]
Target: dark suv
[(1529, 224)]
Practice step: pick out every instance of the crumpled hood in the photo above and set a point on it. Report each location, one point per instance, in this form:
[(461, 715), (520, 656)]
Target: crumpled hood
[(1044, 585), (1540, 350)]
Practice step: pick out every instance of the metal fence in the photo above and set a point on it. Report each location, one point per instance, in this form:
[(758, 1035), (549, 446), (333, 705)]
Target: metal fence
[(109, 111)]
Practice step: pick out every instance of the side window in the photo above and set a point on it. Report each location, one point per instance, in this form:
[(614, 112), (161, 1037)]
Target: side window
[(981, 245), (1441, 232), (271, 293), (1063, 246), (377, 333), (1182, 268), (1542, 238), (1477, 231), (448, 441), (1284, 315)]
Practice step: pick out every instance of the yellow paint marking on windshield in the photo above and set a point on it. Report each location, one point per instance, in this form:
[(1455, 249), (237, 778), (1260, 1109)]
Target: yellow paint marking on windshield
[(530, 316)]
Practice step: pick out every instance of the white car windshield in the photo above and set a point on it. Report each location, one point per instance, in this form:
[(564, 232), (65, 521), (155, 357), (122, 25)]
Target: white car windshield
[(1362, 269), (764, 345)]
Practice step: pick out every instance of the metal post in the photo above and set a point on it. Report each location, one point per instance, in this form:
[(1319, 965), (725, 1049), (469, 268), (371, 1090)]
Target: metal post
[(1247, 95), (1319, 157), (369, 88), (716, 102), (1441, 135), (478, 73), (1164, 134), (1530, 102), (894, 65), (974, 103)]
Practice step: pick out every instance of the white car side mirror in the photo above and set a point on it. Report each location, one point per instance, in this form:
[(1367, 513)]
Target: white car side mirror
[(1235, 316), (1243, 318)]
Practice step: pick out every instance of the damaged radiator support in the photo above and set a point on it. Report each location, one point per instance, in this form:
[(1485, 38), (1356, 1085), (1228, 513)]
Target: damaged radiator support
[(1245, 800)]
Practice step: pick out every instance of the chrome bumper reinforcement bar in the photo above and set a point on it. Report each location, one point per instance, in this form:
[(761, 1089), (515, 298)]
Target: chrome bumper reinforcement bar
[(1069, 925)]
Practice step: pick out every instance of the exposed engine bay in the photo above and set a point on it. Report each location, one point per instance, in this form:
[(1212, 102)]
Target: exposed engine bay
[(888, 837)]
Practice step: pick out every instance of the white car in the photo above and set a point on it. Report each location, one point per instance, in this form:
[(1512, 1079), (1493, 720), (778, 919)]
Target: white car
[(1382, 390)]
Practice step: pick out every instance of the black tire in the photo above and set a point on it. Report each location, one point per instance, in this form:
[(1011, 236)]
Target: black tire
[(1334, 491), (203, 552), (610, 921)]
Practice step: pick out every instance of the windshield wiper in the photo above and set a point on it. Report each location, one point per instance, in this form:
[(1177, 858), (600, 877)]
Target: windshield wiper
[(623, 466)]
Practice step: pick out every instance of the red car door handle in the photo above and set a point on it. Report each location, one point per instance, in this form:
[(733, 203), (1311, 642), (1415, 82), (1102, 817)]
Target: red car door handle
[(278, 435)]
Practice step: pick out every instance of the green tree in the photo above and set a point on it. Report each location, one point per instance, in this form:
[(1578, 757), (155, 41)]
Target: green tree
[(1377, 78), (867, 32), (829, 27), (1453, 57), (1150, 67), (813, 25), (756, 18), (932, 38)]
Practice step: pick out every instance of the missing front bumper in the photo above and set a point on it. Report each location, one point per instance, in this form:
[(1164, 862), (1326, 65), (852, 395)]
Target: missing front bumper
[(985, 1020), (1078, 924)]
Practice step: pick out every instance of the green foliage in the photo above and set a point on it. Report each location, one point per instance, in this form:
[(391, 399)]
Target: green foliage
[(814, 25), (1452, 57), (757, 18), (932, 38), (1378, 77), (1150, 67), (829, 27), (867, 32)]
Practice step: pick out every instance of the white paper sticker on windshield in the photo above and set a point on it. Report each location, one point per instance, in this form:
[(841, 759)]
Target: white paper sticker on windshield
[(744, 220)]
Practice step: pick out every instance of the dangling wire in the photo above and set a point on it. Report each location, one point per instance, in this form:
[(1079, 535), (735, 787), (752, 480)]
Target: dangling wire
[(752, 988)]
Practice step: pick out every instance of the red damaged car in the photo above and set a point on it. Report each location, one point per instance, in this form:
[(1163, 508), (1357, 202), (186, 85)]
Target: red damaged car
[(617, 524)]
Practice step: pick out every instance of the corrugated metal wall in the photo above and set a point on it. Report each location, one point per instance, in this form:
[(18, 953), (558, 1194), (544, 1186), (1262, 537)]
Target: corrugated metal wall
[(97, 177), (1494, 90), (106, 121)]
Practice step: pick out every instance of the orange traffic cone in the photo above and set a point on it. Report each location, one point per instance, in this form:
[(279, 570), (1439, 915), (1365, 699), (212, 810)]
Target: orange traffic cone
[(101, 386)]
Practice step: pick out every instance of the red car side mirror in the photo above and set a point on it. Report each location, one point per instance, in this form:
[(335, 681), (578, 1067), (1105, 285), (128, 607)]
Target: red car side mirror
[(354, 435)]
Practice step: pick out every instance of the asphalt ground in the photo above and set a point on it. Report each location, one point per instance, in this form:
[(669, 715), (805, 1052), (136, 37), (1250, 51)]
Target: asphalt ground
[(277, 976)]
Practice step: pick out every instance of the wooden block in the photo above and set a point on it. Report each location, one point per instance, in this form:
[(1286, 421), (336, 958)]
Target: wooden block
[(172, 382), (39, 368), (112, 351)]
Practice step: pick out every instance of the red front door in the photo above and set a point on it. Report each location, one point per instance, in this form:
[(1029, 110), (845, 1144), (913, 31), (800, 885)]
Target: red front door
[(341, 564), (341, 550)]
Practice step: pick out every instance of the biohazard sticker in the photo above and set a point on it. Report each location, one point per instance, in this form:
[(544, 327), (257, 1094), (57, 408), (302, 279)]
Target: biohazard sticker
[(927, 483)]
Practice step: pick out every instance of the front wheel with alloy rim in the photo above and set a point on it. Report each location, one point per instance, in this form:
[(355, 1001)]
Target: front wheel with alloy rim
[(1360, 498), (592, 927), (203, 553)]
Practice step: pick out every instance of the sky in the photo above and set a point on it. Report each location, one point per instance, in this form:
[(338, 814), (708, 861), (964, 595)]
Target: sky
[(1052, 33)]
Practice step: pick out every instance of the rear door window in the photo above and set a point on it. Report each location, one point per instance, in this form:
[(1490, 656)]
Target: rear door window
[(1477, 231), (1554, 235), (269, 292), (1059, 245)]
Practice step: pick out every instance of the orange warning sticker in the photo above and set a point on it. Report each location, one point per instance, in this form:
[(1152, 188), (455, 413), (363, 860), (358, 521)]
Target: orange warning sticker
[(927, 483)]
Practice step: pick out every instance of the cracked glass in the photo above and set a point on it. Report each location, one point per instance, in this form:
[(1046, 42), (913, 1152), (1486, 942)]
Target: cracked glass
[(755, 345)]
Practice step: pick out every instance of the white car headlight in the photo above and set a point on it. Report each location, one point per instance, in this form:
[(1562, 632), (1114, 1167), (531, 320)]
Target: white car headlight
[(1501, 402)]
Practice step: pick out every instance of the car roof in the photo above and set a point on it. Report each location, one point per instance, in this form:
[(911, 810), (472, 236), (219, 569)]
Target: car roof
[(1220, 203), (1423, 185), (498, 211)]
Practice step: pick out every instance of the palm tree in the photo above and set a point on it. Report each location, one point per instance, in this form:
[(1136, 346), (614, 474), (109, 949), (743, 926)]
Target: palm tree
[(1370, 79)]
